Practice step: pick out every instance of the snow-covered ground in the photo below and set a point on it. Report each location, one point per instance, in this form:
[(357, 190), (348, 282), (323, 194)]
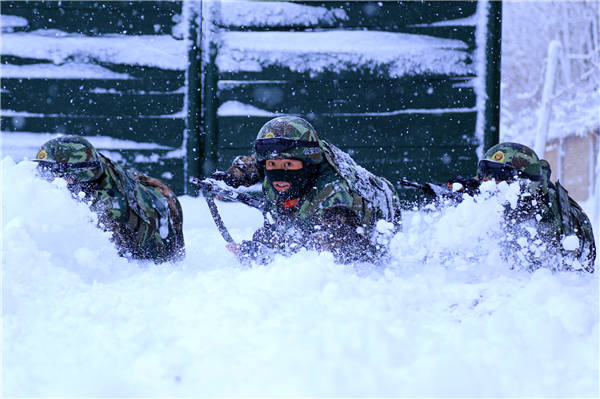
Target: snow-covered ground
[(446, 315)]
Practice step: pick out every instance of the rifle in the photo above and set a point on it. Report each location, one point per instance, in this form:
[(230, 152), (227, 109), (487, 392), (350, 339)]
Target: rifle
[(214, 187), (428, 188), (437, 191), (211, 188)]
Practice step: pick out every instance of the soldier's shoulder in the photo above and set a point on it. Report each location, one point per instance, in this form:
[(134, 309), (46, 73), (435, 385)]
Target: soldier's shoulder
[(332, 191)]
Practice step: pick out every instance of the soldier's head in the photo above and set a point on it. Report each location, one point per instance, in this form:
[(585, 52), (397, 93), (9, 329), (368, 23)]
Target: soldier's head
[(72, 158), (289, 150), (510, 161)]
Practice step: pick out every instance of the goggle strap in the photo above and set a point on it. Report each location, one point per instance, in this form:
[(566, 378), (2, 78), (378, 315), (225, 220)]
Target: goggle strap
[(61, 166)]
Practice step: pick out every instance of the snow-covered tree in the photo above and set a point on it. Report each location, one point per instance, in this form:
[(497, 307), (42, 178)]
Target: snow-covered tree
[(528, 29)]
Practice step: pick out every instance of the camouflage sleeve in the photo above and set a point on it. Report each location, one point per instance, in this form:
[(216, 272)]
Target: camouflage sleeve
[(337, 230), (586, 253), (262, 247), (244, 171), (539, 203)]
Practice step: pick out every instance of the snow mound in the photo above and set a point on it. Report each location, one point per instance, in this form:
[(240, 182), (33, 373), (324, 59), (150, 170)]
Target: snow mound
[(445, 316)]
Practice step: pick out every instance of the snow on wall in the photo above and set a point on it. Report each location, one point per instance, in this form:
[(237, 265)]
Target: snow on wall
[(160, 51), (472, 20), (266, 13), (73, 70), (236, 108), (336, 51), (24, 145), (9, 22)]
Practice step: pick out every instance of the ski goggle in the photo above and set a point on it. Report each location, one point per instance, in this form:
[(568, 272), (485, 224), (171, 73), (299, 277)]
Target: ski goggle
[(60, 169), (281, 144), (502, 171)]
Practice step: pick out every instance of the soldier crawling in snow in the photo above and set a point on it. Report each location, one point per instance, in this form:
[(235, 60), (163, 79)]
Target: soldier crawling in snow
[(317, 197), (142, 212), (561, 226)]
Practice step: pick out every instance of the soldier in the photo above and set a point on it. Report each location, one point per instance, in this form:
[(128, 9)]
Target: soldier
[(142, 212), (559, 221), (317, 197)]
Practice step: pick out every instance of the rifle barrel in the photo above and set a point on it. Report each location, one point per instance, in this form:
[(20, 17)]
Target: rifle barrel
[(211, 187)]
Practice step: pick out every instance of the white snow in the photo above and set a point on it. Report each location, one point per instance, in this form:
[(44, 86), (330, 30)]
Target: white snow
[(9, 22), (445, 316), (472, 20), (66, 71), (335, 50), (161, 51), (263, 13), (574, 105), (405, 111), (237, 108), (24, 145), (570, 243)]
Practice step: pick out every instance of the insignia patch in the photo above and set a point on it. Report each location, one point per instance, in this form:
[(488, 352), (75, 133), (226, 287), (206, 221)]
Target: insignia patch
[(269, 135), (42, 154), (498, 156), (290, 204)]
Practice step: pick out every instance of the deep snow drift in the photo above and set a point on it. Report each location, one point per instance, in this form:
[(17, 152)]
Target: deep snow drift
[(445, 316)]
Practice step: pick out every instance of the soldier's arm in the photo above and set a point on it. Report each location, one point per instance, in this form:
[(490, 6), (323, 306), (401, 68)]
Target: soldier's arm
[(337, 230), (244, 171), (586, 253), (260, 249)]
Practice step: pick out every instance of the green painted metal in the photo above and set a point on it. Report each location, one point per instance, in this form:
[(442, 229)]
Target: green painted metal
[(195, 139), (210, 99), (143, 106), (422, 127), (492, 82)]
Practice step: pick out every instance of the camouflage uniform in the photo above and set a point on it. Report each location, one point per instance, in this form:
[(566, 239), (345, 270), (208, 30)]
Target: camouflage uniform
[(338, 210), (542, 204), (143, 213)]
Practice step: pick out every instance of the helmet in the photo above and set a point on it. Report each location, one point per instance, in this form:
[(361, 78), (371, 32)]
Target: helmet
[(288, 137), (72, 156), (505, 161)]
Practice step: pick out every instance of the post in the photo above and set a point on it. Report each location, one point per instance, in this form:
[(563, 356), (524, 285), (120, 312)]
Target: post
[(193, 145), (544, 112), (209, 89), (492, 75)]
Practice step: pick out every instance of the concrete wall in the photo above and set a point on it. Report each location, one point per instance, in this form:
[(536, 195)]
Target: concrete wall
[(573, 162)]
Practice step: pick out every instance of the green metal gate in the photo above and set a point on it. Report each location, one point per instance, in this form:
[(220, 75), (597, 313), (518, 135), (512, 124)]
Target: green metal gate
[(409, 89), (421, 115)]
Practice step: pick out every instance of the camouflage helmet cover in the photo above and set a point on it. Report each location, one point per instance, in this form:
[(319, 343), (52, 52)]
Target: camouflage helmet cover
[(519, 156), (296, 130), (71, 156)]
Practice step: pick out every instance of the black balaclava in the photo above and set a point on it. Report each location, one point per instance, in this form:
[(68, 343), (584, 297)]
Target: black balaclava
[(301, 180)]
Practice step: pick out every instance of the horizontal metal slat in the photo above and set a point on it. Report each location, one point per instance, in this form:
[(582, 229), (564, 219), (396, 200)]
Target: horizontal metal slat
[(416, 129), (163, 131), (343, 96), (97, 17)]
